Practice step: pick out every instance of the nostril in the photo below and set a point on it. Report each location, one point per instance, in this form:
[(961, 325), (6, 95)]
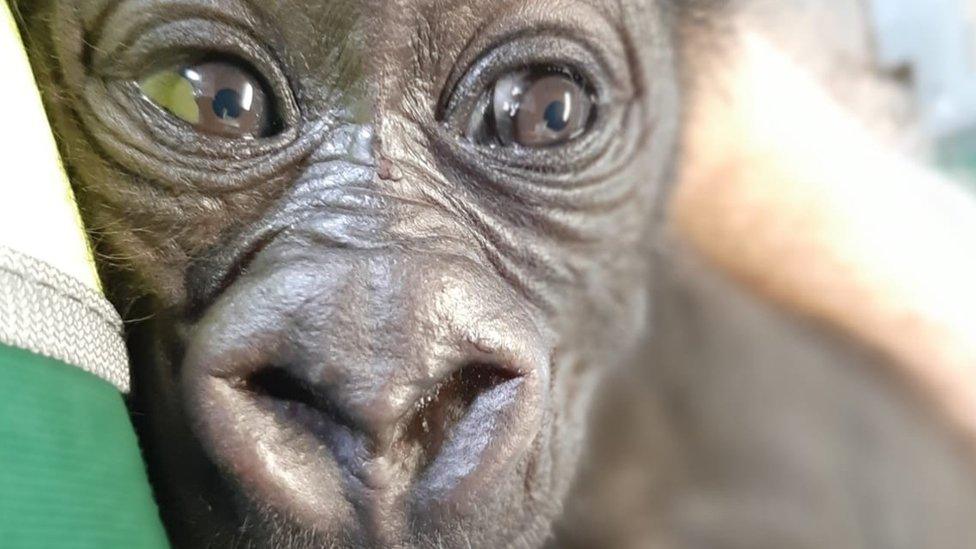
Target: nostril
[(411, 440), (286, 393), (279, 384), (447, 404)]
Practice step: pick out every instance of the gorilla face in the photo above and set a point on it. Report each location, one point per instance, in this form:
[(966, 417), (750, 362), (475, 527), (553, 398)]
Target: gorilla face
[(376, 253)]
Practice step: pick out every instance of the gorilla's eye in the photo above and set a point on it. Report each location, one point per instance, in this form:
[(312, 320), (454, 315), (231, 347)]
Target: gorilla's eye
[(534, 108), (215, 97)]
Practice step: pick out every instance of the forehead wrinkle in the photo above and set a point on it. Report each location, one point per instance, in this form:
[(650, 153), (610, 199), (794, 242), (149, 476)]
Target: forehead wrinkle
[(112, 20), (237, 10), (329, 22), (461, 21), (325, 44)]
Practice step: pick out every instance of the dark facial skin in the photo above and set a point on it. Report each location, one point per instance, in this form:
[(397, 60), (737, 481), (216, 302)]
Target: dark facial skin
[(376, 313), (364, 328)]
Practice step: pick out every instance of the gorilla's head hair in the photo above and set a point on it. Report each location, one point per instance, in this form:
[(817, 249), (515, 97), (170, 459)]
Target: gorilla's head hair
[(375, 254)]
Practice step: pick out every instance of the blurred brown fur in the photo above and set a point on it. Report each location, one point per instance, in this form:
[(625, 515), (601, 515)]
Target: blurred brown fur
[(833, 411)]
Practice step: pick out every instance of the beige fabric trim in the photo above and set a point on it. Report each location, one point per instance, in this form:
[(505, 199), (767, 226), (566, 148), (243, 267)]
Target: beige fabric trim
[(48, 312), (38, 214)]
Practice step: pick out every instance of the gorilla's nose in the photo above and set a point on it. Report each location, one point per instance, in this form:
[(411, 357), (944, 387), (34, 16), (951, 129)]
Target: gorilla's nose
[(382, 424), (392, 382)]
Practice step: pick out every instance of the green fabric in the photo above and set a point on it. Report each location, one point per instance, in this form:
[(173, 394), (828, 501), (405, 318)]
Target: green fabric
[(71, 473), (956, 154)]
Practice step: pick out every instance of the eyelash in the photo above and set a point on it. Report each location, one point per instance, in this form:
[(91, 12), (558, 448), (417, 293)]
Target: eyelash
[(569, 103), (473, 75)]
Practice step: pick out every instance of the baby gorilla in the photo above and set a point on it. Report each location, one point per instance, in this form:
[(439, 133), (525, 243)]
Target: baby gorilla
[(376, 257), (376, 253)]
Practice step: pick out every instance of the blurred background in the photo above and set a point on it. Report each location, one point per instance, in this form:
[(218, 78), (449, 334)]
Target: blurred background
[(816, 450), (908, 67), (931, 46)]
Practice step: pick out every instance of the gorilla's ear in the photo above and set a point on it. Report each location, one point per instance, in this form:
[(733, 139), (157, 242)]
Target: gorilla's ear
[(783, 190)]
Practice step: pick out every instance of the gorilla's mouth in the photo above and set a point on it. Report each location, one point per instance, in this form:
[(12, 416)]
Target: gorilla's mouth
[(426, 427)]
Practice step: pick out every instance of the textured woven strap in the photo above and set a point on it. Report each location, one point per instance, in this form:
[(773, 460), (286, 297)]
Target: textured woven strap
[(48, 312)]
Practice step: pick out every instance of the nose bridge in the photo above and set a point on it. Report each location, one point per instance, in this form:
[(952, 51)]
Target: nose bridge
[(348, 195), (382, 344), (389, 298), (399, 368), (395, 325)]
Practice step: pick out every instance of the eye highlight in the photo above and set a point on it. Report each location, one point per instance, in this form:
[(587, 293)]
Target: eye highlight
[(535, 108), (218, 98)]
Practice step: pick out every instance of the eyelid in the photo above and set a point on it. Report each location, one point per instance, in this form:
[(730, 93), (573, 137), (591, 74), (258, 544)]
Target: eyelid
[(170, 43), (523, 54), (119, 24), (532, 50), (162, 41), (190, 40), (588, 28)]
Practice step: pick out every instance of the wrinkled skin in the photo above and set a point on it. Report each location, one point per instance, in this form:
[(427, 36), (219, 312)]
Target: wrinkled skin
[(365, 331), (368, 255)]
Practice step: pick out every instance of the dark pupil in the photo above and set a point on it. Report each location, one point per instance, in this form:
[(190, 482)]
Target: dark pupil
[(227, 104), (556, 117)]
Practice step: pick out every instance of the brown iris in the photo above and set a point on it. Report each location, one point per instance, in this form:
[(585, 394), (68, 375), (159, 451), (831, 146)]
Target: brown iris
[(534, 108), (216, 97)]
